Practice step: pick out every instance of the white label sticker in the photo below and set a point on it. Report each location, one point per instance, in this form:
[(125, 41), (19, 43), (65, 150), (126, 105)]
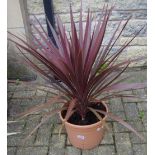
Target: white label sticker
[(98, 129), (81, 137)]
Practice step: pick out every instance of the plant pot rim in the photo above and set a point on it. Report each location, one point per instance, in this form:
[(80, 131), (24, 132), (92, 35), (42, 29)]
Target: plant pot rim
[(86, 126)]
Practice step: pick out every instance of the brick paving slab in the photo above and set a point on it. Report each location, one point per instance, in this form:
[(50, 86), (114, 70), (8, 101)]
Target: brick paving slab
[(131, 111), (144, 120), (56, 151), (56, 129), (57, 141), (120, 114), (29, 86), (15, 126), (11, 150), (108, 138), (140, 149), (17, 140), (57, 144), (23, 94), (123, 144), (31, 122), (32, 102), (119, 128), (72, 150), (43, 135), (41, 93), (142, 106), (138, 125), (131, 100), (116, 105), (9, 95), (32, 151), (15, 109), (11, 87), (136, 76), (55, 119), (101, 150), (139, 92), (109, 126), (137, 140)]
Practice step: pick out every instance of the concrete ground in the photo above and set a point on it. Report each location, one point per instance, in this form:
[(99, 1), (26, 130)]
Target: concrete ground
[(117, 141)]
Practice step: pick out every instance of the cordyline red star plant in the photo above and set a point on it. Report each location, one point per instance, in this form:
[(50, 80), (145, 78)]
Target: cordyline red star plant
[(85, 70)]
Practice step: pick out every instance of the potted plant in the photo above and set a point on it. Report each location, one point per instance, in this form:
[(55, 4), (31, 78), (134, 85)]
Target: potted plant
[(85, 70)]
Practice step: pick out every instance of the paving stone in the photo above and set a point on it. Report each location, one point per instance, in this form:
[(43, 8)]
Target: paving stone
[(100, 150), (22, 94), (10, 118), (70, 150), (56, 129), (120, 114), (135, 124), (131, 111), (119, 128), (11, 150), (15, 126), (9, 95), (56, 151), (145, 125), (57, 141), (18, 139), (137, 98), (138, 125), (140, 149), (31, 123), (127, 92), (55, 119), (33, 101), (136, 140), (91, 152), (123, 144), (11, 87), (145, 90), (109, 127), (15, 109), (32, 151), (116, 105), (144, 120), (142, 106), (139, 92), (43, 135), (137, 76), (57, 145), (25, 87), (15, 101), (41, 93), (107, 139)]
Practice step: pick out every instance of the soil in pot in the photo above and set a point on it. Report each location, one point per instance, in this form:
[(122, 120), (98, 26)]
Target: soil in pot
[(90, 117)]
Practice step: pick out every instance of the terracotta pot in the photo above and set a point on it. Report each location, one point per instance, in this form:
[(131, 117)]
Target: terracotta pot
[(87, 136)]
